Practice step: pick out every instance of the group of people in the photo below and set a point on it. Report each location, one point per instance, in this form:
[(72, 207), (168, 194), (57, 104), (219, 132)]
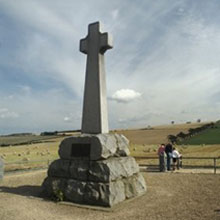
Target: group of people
[(168, 156)]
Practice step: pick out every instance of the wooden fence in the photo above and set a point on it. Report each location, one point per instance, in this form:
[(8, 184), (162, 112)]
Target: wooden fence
[(153, 162), (214, 164)]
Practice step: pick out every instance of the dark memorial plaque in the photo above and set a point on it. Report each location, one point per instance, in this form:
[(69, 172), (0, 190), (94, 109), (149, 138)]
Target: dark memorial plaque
[(80, 150)]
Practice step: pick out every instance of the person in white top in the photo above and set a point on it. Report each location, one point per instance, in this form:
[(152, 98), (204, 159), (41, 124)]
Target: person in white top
[(176, 158)]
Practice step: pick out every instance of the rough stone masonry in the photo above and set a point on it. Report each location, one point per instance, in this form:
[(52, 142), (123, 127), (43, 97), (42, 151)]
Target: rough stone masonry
[(95, 167)]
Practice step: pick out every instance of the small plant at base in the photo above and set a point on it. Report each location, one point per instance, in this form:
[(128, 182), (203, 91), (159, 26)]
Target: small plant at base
[(58, 195)]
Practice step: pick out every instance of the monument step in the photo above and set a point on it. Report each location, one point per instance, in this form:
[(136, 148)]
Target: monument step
[(98, 171), (95, 193)]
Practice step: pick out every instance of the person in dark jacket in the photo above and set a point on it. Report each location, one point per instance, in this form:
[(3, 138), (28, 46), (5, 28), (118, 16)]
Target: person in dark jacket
[(162, 158), (169, 150)]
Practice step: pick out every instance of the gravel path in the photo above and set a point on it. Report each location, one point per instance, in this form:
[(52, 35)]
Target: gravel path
[(169, 196)]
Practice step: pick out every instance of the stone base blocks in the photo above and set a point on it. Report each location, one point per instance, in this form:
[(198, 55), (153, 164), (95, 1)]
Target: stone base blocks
[(95, 170)]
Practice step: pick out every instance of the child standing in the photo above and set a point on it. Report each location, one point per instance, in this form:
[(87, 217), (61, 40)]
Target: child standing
[(176, 158)]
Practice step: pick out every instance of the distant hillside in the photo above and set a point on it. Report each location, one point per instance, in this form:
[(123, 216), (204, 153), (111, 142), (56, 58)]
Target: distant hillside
[(23, 139), (157, 134), (210, 135)]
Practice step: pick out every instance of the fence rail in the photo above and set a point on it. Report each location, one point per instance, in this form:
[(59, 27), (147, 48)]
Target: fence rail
[(213, 166), (48, 161), (45, 163), (16, 166)]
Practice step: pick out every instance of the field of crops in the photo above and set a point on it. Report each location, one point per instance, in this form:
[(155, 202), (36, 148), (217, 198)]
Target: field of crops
[(25, 139)]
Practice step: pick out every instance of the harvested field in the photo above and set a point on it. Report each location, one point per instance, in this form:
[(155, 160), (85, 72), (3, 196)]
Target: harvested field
[(169, 196)]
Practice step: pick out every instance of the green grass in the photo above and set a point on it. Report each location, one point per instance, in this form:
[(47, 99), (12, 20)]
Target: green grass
[(209, 136)]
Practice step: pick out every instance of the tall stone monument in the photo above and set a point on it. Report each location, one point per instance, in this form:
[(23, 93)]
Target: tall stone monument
[(95, 115), (95, 167)]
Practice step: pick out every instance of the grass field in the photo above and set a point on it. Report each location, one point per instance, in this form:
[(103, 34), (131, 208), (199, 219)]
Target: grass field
[(208, 136), (143, 142), (30, 155)]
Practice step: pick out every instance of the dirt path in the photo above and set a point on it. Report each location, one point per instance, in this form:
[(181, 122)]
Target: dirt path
[(169, 196)]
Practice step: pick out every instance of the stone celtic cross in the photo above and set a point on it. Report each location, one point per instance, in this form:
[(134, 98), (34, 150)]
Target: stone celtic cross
[(94, 168), (95, 114)]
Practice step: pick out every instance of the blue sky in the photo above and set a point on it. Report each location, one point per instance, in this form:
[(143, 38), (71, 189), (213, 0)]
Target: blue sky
[(164, 65)]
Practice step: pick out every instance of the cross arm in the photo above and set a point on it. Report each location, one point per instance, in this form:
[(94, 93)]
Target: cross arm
[(84, 46), (106, 42)]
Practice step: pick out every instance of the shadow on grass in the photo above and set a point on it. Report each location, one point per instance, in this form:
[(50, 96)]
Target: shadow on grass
[(149, 169), (32, 191)]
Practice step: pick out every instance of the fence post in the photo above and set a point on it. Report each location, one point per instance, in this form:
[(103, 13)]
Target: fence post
[(214, 165)]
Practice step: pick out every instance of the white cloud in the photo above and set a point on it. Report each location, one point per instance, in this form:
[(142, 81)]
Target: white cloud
[(72, 118), (125, 95), (25, 89), (67, 119), (2, 110), (39, 111), (6, 114), (114, 14), (38, 16)]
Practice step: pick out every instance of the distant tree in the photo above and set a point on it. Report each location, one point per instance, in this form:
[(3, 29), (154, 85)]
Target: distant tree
[(181, 135), (212, 124), (172, 138), (172, 122), (197, 130), (46, 133), (191, 131), (198, 120)]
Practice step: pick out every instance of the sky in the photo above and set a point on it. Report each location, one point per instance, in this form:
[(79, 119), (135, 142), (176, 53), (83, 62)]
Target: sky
[(164, 65)]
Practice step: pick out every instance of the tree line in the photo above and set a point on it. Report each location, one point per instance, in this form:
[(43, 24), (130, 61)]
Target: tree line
[(191, 132)]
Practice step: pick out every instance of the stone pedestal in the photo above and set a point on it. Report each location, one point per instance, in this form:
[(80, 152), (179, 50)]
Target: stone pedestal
[(1, 168), (95, 170)]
